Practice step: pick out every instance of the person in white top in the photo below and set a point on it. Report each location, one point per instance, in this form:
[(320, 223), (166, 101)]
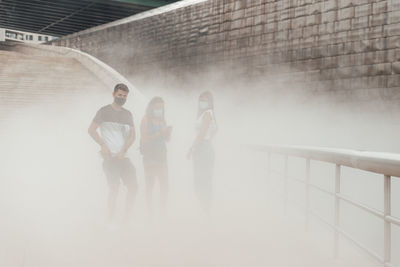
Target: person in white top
[(202, 151), (117, 134)]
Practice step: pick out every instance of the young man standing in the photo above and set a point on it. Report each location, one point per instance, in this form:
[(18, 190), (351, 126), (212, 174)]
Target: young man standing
[(117, 134)]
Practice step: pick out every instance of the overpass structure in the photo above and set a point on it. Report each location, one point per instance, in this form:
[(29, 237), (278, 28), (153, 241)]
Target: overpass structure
[(59, 18), (337, 42)]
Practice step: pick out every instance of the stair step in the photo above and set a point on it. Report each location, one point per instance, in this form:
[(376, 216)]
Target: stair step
[(27, 80)]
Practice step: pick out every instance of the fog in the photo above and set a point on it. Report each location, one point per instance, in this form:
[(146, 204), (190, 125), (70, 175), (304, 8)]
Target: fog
[(53, 190)]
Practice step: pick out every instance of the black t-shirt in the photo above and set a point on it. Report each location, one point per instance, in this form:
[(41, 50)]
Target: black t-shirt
[(109, 114)]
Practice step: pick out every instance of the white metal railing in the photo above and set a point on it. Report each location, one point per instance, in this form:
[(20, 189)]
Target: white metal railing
[(381, 163)]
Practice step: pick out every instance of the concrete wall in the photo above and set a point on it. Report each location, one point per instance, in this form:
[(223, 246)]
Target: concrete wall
[(349, 49)]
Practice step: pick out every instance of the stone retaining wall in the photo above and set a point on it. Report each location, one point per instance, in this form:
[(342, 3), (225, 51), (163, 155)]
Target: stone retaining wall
[(349, 49)]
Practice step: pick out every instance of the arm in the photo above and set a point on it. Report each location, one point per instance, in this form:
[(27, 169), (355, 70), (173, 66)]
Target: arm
[(131, 139), (205, 124), (94, 134), (97, 138), (167, 133)]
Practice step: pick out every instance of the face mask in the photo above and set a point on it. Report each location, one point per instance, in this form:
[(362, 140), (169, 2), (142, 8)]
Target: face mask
[(203, 104), (120, 101), (158, 113)]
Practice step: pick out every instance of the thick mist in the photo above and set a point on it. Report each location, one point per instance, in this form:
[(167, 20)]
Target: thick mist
[(53, 190)]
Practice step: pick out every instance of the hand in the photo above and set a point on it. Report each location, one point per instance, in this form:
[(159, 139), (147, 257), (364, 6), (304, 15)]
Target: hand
[(120, 155), (166, 131), (105, 152)]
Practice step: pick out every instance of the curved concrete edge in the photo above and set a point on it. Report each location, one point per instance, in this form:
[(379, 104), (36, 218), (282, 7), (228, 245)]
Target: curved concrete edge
[(109, 76)]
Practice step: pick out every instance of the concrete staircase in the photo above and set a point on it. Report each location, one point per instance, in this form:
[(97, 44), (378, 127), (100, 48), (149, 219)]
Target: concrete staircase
[(27, 79)]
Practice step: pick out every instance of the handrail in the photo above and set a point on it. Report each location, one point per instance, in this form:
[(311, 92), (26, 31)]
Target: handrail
[(377, 162), (387, 164)]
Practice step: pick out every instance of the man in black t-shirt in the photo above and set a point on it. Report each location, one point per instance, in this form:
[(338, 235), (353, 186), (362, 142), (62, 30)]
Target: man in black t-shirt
[(117, 134)]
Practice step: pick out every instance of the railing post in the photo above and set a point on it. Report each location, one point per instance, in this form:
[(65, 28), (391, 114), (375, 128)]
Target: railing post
[(285, 185), (307, 210), (387, 223), (268, 171), (268, 175), (337, 209)]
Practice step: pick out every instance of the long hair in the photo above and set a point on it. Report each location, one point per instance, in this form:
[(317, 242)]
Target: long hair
[(210, 99), (149, 110)]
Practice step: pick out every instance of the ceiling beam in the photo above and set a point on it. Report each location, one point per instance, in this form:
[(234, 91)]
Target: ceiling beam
[(57, 17), (31, 21), (146, 3), (50, 10), (66, 17)]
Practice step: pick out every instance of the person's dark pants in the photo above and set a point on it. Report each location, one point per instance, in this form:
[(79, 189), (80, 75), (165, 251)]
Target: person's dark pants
[(203, 166), (116, 170)]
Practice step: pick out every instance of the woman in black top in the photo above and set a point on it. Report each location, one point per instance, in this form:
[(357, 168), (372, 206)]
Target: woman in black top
[(154, 135)]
